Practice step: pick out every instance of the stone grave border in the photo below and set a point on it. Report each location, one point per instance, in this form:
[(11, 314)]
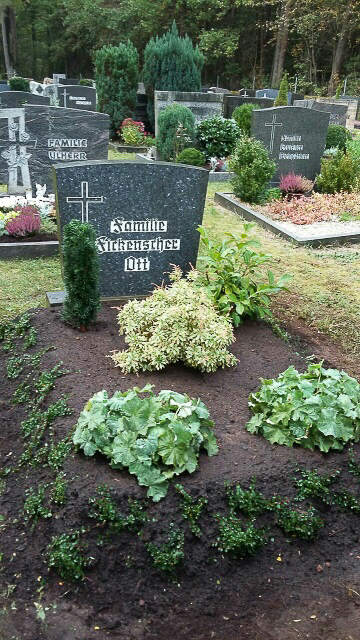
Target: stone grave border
[(214, 176), (228, 201), (123, 148), (29, 250)]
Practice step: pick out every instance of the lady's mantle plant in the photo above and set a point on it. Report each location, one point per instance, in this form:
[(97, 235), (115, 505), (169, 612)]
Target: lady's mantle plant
[(155, 437), (175, 323), (319, 408)]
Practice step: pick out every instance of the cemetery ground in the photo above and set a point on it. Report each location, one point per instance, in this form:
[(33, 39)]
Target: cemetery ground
[(291, 589)]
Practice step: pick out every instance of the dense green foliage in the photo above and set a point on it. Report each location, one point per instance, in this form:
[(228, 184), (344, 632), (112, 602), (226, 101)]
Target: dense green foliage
[(171, 63), (243, 116), (175, 323), (19, 84), (66, 555), (232, 278), (217, 136), (105, 511), (117, 76), (337, 136), (252, 168), (319, 408), (282, 97), (81, 274), (170, 554), (191, 509), (238, 538), (338, 173), (174, 121), (154, 436), (191, 156)]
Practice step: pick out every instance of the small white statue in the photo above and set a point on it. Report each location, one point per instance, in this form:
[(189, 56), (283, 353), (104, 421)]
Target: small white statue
[(40, 191)]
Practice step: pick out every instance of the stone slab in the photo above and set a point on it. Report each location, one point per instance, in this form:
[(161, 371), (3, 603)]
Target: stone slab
[(4, 87), (338, 112), (54, 299), (231, 102), (76, 97), (29, 250), (202, 105), (295, 138), (145, 216), (16, 99), (247, 93)]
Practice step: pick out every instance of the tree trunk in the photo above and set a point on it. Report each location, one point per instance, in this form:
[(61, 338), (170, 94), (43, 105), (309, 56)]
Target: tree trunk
[(339, 52), (5, 41), (12, 21), (281, 43)]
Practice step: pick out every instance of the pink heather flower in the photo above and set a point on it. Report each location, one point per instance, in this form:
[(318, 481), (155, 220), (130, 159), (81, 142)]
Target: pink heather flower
[(24, 224)]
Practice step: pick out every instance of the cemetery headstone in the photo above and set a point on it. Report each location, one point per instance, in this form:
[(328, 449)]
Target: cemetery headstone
[(202, 105), (296, 96), (295, 138), (16, 99), (338, 112), (4, 87), (231, 102), (33, 138), (72, 81), (247, 93), (76, 97), (145, 217), (271, 93), (58, 77), (219, 90)]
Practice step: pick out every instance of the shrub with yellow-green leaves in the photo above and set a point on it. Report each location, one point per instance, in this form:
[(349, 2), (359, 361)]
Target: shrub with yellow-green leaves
[(176, 323)]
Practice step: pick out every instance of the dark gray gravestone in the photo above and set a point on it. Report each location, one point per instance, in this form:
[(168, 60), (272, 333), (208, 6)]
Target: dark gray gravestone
[(271, 93), (338, 112), (231, 102), (77, 97), (295, 138), (72, 81), (4, 87), (145, 217), (35, 137), (296, 96), (16, 99), (247, 93)]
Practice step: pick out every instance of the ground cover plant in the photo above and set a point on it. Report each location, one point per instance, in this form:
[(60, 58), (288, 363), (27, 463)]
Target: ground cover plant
[(318, 408), (175, 323), (319, 207), (154, 436)]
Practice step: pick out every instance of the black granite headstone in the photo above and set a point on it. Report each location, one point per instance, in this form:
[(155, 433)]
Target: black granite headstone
[(247, 93), (4, 87), (295, 138), (145, 217), (338, 112), (15, 99), (231, 102), (72, 81), (77, 97)]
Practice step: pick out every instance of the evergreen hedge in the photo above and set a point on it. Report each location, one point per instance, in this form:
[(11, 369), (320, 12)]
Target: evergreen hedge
[(282, 98), (169, 122)]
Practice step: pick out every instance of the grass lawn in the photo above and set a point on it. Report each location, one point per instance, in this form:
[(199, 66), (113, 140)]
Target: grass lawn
[(324, 292)]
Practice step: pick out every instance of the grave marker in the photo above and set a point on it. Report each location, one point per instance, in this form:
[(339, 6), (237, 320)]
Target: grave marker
[(17, 99), (76, 97), (247, 93), (145, 217), (338, 112), (231, 102), (295, 138)]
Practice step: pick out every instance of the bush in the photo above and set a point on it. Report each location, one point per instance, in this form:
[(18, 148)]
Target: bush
[(293, 183), (243, 116), (171, 63), (217, 136), (25, 223), (253, 169), (132, 132), (191, 156), (319, 408), (282, 97), (175, 323), (155, 436), (338, 173), (337, 137), (81, 274), (174, 120), (116, 76), (19, 84), (232, 276), (85, 82), (353, 149), (274, 193)]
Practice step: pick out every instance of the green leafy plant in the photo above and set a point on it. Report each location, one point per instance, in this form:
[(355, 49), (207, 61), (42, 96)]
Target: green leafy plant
[(34, 506), (298, 523), (243, 116), (191, 509), (175, 323), (319, 408), (217, 136), (337, 137), (232, 278), (353, 466), (238, 538), (249, 501), (169, 555), (86, 82), (105, 511), (81, 274), (56, 454), (313, 485), (18, 328), (252, 168), (338, 173), (155, 436), (65, 555), (19, 84), (59, 489), (172, 121), (274, 193), (282, 97), (191, 156)]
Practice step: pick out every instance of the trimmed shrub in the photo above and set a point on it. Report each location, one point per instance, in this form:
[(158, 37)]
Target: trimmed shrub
[(217, 136), (282, 98), (338, 173), (171, 63), (253, 169), (174, 120), (337, 137), (81, 274), (191, 156), (243, 115), (19, 84), (116, 76), (85, 82)]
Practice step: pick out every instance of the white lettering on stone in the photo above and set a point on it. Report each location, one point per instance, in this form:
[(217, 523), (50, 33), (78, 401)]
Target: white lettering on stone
[(67, 142), (106, 245), (294, 156), (291, 147), (119, 225), (67, 155), (290, 138), (137, 264)]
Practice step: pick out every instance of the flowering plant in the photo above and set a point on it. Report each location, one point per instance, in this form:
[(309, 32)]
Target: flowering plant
[(319, 207), (132, 132), (292, 183), (4, 219), (25, 223)]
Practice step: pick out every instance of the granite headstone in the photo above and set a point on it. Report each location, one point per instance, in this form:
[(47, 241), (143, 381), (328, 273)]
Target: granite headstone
[(76, 97), (33, 138), (295, 138), (202, 105), (4, 87), (338, 112), (72, 81), (58, 77), (231, 102), (247, 93), (145, 217), (15, 99)]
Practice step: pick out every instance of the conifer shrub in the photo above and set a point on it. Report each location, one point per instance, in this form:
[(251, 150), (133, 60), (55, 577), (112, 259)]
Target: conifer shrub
[(81, 274), (243, 115), (337, 137), (253, 169), (116, 76), (176, 323), (171, 63), (282, 97), (19, 84), (174, 120), (191, 156), (338, 173)]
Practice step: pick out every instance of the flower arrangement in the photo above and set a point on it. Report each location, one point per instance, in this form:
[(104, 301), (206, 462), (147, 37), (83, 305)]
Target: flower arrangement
[(319, 207), (132, 132)]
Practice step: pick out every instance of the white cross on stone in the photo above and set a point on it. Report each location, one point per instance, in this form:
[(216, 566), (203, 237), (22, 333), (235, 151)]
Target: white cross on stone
[(85, 200), (65, 95), (273, 126)]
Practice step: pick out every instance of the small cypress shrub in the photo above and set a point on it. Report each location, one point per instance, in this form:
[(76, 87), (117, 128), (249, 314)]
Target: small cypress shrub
[(19, 84), (282, 98), (243, 115), (175, 118), (116, 76), (81, 274), (338, 173), (191, 156), (253, 169), (337, 136)]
